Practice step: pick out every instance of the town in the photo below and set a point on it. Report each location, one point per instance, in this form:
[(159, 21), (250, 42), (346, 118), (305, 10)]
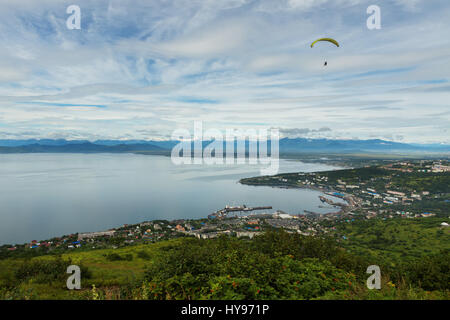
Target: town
[(406, 189)]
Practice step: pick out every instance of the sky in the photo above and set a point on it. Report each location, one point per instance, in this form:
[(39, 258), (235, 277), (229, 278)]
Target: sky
[(142, 69)]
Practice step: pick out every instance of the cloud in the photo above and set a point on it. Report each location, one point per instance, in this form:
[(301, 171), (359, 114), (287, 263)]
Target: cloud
[(69, 105), (411, 5), (302, 132), (164, 64), (218, 40)]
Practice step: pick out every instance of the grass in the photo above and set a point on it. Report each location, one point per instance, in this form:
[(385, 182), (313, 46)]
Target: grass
[(105, 273), (396, 239), (390, 241)]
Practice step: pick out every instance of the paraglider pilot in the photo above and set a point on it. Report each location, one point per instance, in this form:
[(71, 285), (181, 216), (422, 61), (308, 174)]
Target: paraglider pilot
[(325, 39)]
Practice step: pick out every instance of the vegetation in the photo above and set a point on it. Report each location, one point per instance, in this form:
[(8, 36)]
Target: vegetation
[(275, 265), (413, 251), (394, 240), (411, 246)]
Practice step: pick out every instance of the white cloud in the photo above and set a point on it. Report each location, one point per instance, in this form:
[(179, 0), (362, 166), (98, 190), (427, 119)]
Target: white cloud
[(410, 5), (162, 64)]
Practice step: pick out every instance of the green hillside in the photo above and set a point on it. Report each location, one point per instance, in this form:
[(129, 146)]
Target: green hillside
[(275, 265)]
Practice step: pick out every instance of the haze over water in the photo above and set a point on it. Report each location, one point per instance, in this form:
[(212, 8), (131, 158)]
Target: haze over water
[(47, 195)]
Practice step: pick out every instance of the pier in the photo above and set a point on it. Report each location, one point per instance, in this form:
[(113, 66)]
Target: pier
[(224, 212), (331, 202)]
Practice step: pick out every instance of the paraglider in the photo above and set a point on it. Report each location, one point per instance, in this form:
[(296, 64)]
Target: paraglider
[(325, 39), (328, 40)]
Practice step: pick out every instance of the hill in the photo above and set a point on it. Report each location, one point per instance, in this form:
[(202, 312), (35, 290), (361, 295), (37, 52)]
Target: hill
[(83, 147), (275, 265), (286, 145)]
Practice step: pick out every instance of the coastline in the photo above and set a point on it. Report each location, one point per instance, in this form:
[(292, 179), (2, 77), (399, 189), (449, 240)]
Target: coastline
[(310, 214), (115, 176), (344, 208)]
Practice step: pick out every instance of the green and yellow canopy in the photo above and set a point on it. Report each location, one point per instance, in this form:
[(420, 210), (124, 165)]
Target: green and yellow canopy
[(325, 39)]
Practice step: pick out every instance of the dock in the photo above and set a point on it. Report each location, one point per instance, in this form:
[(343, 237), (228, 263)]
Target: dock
[(331, 202), (222, 213)]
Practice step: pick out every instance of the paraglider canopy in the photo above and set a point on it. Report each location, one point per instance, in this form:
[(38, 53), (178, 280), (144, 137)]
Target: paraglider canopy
[(325, 39)]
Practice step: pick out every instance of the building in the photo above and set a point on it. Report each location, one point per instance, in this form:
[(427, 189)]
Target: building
[(440, 168), (90, 235), (245, 234), (396, 193), (144, 224), (427, 214), (282, 215), (392, 199), (180, 228)]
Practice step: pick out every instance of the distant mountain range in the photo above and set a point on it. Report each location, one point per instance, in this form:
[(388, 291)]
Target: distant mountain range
[(57, 146), (353, 146), (287, 146)]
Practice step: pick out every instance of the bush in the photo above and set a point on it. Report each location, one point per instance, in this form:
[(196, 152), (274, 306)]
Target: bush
[(143, 255), (43, 271), (117, 257), (430, 273), (277, 265)]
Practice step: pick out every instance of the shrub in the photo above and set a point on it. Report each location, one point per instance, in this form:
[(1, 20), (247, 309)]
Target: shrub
[(275, 266), (43, 271), (143, 255), (117, 257)]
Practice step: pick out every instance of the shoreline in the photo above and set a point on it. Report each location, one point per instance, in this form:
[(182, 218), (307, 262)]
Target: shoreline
[(344, 208), (307, 213), (112, 226)]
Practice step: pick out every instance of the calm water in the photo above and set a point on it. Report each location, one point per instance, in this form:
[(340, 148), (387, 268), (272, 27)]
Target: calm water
[(45, 195)]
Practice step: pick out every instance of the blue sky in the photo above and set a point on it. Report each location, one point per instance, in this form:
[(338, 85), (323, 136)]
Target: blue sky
[(141, 69)]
